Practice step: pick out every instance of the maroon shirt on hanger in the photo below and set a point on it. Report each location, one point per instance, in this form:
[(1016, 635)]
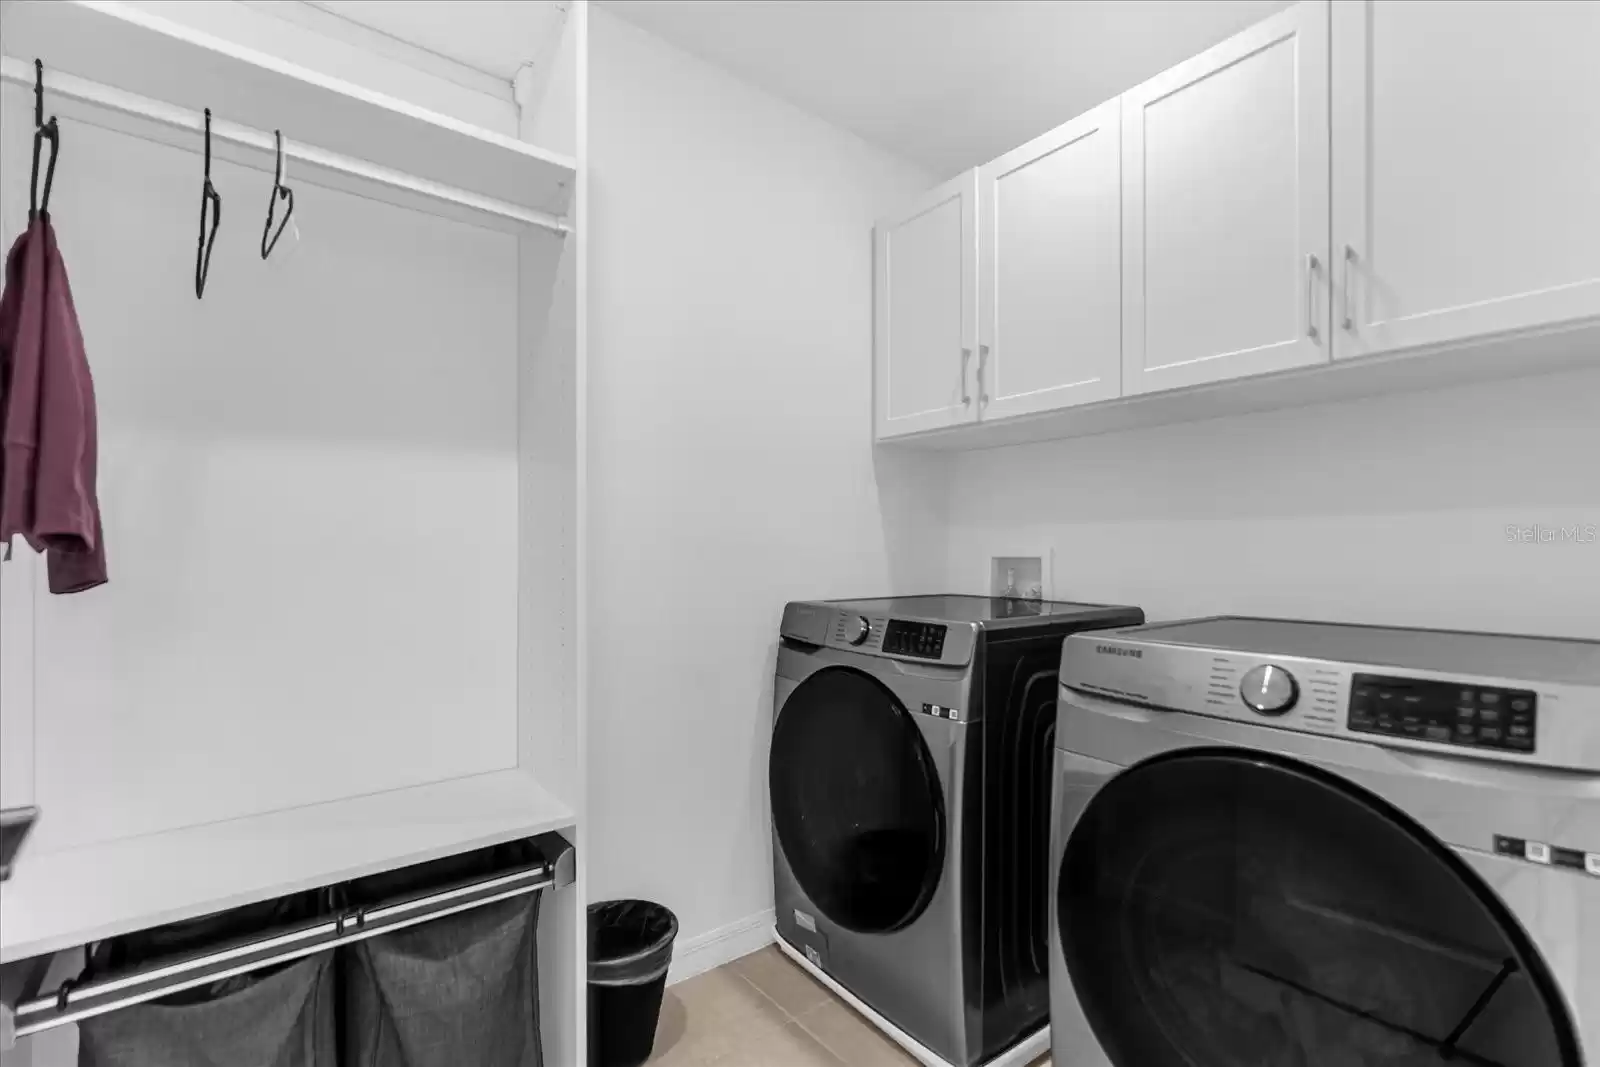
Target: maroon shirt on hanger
[(47, 417)]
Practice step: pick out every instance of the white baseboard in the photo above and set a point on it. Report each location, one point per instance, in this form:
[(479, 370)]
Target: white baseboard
[(697, 955)]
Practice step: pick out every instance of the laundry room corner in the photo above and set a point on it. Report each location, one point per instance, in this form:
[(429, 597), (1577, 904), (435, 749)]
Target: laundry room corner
[(800, 533), (730, 459)]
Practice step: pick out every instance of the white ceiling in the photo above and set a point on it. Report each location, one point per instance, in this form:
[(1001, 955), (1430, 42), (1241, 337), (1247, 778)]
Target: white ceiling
[(946, 84)]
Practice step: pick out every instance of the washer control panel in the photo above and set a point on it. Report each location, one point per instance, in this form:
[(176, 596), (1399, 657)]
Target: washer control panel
[(1445, 712), (923, 640)]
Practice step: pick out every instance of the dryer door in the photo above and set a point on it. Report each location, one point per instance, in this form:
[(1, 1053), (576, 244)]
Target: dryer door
[(856, 802), (1219, 907)]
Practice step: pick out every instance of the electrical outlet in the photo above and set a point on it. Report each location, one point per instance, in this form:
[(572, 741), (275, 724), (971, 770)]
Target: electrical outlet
[(1018, 577)]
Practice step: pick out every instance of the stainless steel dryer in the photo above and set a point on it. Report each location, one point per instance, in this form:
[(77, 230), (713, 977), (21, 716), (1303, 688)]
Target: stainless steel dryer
[(910, 786), (1282, 842)]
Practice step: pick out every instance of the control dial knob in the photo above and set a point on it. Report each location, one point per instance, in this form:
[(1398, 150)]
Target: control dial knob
[(859, 630), (1269, 689)]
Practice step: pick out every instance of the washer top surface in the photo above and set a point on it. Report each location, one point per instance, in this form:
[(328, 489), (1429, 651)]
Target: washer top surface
[(984, 610), (1556, 659)]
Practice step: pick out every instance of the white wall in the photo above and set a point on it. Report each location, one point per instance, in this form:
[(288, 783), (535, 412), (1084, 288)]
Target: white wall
[(1391, 510), (730, 465), (288, 470), (947, 84)]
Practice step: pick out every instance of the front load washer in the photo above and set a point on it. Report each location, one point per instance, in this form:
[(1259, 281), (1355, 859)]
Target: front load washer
[(910, 788), (1281, 842)]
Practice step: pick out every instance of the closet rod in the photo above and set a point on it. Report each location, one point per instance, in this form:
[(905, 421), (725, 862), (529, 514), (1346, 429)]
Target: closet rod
[(98, 996), (121, 102)]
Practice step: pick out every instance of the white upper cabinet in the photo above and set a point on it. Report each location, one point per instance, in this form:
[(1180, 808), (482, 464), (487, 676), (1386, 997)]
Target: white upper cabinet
[(925, 328), (1345, 178), (1225, 209), (1466, 164), (1049, 270)]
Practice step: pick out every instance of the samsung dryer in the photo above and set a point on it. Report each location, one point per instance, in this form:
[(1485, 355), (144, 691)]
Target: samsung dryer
[(1282, 842), (910, 788)]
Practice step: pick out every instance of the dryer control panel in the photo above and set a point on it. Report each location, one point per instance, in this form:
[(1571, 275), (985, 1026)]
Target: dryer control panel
[(924, 640), (1446, 712)]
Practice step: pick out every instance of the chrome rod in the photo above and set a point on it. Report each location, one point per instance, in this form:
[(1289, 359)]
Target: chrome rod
[(73, 1002), (291, 940), (86, 1002), (362, 933), (433, 902), (110, 99)]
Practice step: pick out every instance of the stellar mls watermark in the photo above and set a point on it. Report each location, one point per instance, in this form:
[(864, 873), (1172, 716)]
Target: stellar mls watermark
[(1541, 534)]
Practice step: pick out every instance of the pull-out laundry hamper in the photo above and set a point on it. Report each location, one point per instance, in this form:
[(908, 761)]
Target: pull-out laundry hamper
[(281, 1017), (457, 991)]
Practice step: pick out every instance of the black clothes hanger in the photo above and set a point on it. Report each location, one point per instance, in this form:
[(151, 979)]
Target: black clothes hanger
[(282, 192), (208, 194), (42, 131)]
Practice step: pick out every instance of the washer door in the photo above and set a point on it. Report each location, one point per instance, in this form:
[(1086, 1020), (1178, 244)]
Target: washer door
[(856, 802), (1220, 907)]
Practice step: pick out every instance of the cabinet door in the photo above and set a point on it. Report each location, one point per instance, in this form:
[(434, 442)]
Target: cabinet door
[(924, 306), (1466, 160), (1225, 209), (1050, 270)]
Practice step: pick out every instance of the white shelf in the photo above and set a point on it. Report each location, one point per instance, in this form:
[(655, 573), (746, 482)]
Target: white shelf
[(59, 900), (135, 52)]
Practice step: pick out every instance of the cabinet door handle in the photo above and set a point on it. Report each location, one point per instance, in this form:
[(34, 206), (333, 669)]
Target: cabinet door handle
[(983, 359), (1349, 315), (1311, 295), (966, 397)]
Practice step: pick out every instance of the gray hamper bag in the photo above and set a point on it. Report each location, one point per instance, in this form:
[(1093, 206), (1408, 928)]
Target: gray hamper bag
[(283, 1018), (461, 991)]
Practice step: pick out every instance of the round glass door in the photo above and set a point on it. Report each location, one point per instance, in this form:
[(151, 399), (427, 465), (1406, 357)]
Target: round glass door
[(856, 802), (1221, 908)]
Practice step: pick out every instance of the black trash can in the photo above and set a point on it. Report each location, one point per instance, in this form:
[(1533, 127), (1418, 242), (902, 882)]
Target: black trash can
[(630, 946)]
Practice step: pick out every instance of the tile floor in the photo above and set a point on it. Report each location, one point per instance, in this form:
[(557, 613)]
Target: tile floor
[(763, 1011)]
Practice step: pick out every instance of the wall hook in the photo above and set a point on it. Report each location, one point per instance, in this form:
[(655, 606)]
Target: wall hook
[(208, 195), (282, 192), (42, 131)]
